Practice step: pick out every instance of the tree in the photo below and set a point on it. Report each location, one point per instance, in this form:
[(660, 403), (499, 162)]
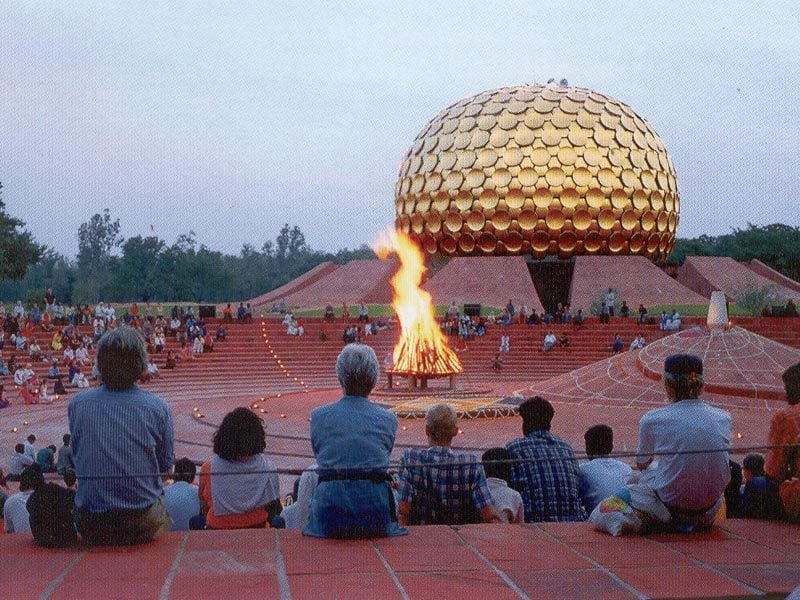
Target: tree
[(97, 238), (18, 251), (137, 276)]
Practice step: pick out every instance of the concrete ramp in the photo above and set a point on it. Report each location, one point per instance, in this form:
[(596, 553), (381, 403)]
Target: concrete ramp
[(295, 285), (357, 281), (638, 280), (765, 271), (486, 280), (705, 274)]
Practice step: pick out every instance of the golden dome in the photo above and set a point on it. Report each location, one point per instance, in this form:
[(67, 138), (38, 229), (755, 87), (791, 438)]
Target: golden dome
[(539, 170)]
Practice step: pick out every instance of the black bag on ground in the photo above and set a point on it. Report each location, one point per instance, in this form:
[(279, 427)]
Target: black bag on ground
[(51, 510)]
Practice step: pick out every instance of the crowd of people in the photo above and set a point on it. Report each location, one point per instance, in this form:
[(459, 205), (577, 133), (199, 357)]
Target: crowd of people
[(121, 443)]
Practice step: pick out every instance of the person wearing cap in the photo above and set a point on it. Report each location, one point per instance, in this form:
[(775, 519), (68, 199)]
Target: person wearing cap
[(783, 462), (683, 448)]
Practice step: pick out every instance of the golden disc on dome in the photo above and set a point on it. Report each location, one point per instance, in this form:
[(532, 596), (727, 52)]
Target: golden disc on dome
[(673, 222), (585, 119), (640, 199), (466, 158), (475, 178), (540, 241), (480, 138), (613, 108), (629, 220), (408, 205), (542, 105), (486, 157), (629, 178), (533, 119), (430, 245), (441, 202), (606, 177), (624, 137), (636, 243), (499, 138), (488, 199), (501, 220), (501, 177), (662, 245), (516, 107), (653, 241), (543, 197), (555, 218), (493, 108), (592, 156), (449, 126), (593, 106), (540, 156), (515, 199), (405, 187), (592, 242), (404, 223), (663, 221), (616, 243), (527, 177), (454, 180), (606, 219), (560, 119), (448, 244), (551, 93), (567, 241), (669, 201), (673, 187), (513, 241), (512, 156), (569, 198), (608, 120), (578, 135), (648, 220), (581, 219), (527, 219), (433, 181), (639, 139), (619, 199), (433, 222), (663, 160), (616, 156), (567, 156), (551, 136), (627, 122), (417, 183), (649, 180), (554, 176), (447, 160), (663, 180), (473, 109), (486, 242), (453, 222), (466, 243), (523, 135), (476, 220), (423, 203), (638, 158), (581, 176), (429, 144), (595, 198), (463, 200), (463, 140), (656, 200), (417, 223), (652, 159), (603, 137), (417, 147), (485, 122), (568, 105), (466, 124)]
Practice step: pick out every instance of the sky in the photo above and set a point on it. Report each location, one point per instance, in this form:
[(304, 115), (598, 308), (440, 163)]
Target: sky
[(231, 118)]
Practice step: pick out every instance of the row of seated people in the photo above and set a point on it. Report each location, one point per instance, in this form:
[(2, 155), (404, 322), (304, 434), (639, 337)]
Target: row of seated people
[(355, 494)]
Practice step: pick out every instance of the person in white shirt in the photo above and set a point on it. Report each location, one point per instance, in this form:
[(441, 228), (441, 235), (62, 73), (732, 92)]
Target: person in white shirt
[(602, 476), (507, 502), (69, 356), (15, 510), (19, 460), (82, 356), (637, 343), (504, 343), (79, 380), (295, 515), (549, 341), (29, 449), (18, 310)]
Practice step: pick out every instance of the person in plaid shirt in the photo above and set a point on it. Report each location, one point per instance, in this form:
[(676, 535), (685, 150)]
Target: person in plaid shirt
[(545, 470), (451, 488)]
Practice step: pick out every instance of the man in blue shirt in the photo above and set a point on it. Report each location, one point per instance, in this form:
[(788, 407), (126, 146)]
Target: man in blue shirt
[(122, 440)]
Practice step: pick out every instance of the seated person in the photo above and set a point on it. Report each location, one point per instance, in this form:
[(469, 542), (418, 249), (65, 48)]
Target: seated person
[(227, 314), (82, 356), (152, 369), (759, 494), (15, 509), (221, 334), (579, 319), (602, 476), (170, 360), (181, 497), (497, 363), (617, 345), (637, 343), (507, 502), (34, 350), (44, 397), (57, 343), (4, 403), (295, 516), (18, 462), (563, 341), (197, 345), (46, 459), (352, 440), (79, 380), (53, 372), (642, 315), (251, 498), (783, 460), (549, 341), (624, 311), (208, 343), (69, 356), (159, 342), (329, 315), (58, 387), (451, 488)]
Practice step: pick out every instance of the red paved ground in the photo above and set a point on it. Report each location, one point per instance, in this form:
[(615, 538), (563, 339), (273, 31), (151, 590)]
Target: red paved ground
[(487, 280), (735, 559), (638, 280)]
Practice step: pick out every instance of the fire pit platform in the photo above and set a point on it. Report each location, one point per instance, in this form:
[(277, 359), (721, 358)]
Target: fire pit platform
[(419, 381), (468, 405)]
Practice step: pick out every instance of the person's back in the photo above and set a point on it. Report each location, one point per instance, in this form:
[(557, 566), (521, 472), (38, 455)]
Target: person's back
[(602, 475), (506, 501), (545, 470), (181, 497)]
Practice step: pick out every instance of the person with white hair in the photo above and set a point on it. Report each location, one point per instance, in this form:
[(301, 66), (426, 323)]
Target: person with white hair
[(352, 440)]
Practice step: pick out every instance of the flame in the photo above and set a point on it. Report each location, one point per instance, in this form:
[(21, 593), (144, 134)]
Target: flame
[(422, 348)]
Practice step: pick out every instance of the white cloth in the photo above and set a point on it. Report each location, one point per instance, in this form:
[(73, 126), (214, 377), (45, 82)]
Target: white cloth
[(237, 487), (600, 478), (30, 450), (15, 513), (296, 515), (686, 481), (506, 502)]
